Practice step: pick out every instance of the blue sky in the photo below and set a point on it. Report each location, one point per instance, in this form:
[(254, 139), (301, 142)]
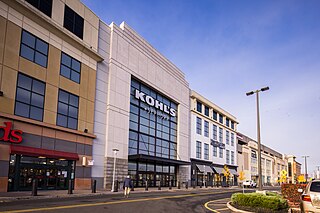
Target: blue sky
[(229, 47)]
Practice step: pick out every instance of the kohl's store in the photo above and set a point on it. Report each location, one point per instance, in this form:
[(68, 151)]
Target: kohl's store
[(141, 115)]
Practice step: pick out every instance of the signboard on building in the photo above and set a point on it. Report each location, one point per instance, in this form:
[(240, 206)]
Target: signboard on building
[(8, 135)]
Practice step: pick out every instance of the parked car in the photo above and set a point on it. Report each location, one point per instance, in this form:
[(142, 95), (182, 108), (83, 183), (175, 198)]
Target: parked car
[(310, 198), (249, 184)]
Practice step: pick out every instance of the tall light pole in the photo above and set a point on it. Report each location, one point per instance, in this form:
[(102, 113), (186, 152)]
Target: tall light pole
[(114, 167), (258, 134), (305, 167)]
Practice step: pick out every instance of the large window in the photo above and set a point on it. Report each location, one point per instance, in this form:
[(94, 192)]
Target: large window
[(227, 122), (44, 6), (29, 98), (206, 151), (214, 132), (215, 150), (199, 106), (220, 153), (206, 110), (152, 132), (70, 68), (214, 115), (34, 49), (220, 118), (68, 105), (227, 156), (73, 22), (198, 150), (232, 139), (206, 128), (232, 125), (227, 137), (199, 125), (220, 135)]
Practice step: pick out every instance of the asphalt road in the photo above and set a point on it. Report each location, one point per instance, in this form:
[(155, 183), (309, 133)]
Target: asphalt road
[(204, 200)]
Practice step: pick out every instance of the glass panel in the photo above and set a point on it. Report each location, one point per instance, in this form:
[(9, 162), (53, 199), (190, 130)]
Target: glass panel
[(28, 39), (63, 96), (37, 100), (42, 47), (62, 108), (27, 52), (65, 59), (23, 96), (24, 82), (36, 113), (76, 65), (22, 109), (75, 76), (62, 120), (74, 100), (40, 59), (73, 112), (133, 135), (72, 123), (38, 87), (65, 71)]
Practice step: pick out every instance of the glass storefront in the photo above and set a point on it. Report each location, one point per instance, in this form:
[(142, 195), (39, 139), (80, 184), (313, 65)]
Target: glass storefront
[(50, 173), (152, 132)]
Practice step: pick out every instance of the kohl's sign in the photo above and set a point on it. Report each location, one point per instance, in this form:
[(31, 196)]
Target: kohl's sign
[(12, 136), (154, 103)]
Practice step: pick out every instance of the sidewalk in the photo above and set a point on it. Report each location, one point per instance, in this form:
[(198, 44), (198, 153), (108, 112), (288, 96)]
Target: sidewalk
[(26, 195)]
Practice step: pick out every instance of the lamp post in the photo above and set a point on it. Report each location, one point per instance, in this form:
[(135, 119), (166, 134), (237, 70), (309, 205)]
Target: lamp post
[(305, 167), (258, 133), (114, 167)]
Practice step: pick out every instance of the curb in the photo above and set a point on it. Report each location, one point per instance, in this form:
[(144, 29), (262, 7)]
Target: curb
[(235, 209)]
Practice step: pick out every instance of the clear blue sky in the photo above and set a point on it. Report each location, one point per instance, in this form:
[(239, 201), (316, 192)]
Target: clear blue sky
[(229, 47)]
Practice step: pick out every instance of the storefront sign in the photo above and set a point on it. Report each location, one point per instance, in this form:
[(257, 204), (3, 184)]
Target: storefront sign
[(154, 103), (13, 136)]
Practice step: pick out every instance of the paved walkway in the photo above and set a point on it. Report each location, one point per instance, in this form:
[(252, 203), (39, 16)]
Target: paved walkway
[(24, 195)]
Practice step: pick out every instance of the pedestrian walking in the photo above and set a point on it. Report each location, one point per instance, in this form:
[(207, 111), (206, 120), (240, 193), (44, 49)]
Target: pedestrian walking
[(127, 186)]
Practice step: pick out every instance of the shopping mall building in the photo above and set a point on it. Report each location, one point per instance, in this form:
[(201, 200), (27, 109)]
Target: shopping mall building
[(48, 60)]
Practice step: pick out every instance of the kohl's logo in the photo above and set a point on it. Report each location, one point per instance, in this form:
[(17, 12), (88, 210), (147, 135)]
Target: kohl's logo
[(154, 103)]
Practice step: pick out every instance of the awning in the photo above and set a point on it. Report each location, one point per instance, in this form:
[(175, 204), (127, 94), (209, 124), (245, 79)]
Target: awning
[(233, 171), (218, 170), (36, 152), (204, 168), (154, 159)]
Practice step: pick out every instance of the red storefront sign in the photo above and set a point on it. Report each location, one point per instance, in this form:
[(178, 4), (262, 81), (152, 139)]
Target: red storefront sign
[(13, 136)]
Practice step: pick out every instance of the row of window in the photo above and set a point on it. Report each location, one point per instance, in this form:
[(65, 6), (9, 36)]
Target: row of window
[(215, 115), (29, 103), (215, 152), (214, 132), (36, 50), (72, 21)]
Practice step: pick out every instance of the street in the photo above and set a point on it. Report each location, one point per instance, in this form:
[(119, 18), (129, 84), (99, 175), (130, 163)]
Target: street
[(198, 200)]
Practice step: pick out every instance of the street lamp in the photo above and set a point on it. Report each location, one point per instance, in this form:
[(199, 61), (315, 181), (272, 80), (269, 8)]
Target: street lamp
[(114, 167), (258, 133), (305, 167)]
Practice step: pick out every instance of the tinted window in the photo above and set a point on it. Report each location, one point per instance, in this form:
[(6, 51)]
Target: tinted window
[(73, 22), (34, 49), (199, 106), (70, 68), (29, 97), (68, 105), (315, 187), (206, 111), (44, 6)]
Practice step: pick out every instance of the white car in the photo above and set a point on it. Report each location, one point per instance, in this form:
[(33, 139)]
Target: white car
[(310, 199), (249, 184)]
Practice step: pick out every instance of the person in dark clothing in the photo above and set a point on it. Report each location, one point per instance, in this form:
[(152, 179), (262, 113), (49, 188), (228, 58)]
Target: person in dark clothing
[(127, 186)]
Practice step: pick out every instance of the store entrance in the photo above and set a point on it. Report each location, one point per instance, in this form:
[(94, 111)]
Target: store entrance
[(50, 173)]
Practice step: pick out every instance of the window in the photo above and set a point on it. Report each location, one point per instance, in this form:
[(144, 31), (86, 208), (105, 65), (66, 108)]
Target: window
[(206, 111), (44, 6), (206, 128), (221, 118), (198, 150), (199, 106), (199, 125), (220, 135), (70, 68), (232, 157), (227, 156), (206, 151), (29, 98), (214, 115), (227, 122), (220, 153), (227, 137), (73, 22), (34, 49), (289, 169), (68, 105), (215, 151), (232, 125), (232, 139), (214, 132)]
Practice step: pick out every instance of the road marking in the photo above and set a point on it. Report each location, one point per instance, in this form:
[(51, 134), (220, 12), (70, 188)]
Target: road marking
[(213, 201), (111, 202)]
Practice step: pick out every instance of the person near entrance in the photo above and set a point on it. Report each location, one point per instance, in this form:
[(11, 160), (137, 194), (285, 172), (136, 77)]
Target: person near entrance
[(127, 186)]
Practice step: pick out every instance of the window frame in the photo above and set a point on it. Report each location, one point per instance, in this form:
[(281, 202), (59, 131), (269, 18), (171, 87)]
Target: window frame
[(40, 4), (206, 151), (70, 67), (199, 106), (199, 126), (68, 111), (198, 149), (206, 128), (74, 16), (206, 110)]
